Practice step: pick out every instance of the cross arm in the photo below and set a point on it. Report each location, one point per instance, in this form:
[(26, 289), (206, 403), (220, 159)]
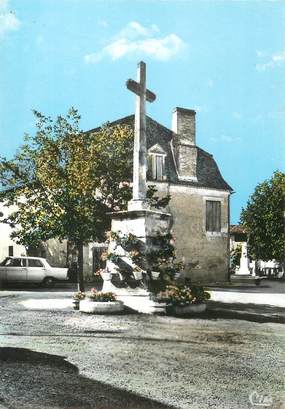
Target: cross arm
[(136, 88)]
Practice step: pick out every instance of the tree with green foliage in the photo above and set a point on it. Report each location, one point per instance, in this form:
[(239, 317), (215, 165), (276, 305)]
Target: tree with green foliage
[(235, 256), (62, 182), (263, 219)]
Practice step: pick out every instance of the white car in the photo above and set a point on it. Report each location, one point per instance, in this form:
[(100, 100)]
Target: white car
[(30, 270)]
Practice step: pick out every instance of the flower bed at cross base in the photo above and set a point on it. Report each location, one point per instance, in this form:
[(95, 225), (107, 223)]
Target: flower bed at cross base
[(98, 302), (182, 300)]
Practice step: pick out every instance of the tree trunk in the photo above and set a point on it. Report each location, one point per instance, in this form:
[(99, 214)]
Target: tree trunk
[(80, 279)]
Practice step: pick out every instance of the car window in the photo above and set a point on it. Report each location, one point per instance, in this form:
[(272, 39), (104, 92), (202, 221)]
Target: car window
[(32, 262), (3, 263), (13, 262)]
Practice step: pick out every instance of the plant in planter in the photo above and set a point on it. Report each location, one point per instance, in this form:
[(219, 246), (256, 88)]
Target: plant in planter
[(99, 296), (98, 302), (184, 300), (77, 297)]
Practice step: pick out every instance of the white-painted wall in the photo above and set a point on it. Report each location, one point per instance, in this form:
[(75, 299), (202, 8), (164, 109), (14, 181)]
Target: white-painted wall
[(5, 240)]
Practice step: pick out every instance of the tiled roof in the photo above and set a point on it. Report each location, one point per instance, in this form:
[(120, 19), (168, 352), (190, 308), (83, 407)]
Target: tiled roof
[(237, 228), (208, 174)]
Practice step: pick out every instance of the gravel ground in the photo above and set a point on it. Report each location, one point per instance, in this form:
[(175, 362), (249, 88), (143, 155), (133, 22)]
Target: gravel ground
[(59, 358)]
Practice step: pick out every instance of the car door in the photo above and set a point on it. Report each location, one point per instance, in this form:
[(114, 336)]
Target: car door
[(16, 270), (36, 270)]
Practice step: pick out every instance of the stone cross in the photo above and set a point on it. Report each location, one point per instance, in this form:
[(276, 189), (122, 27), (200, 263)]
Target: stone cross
[(140, 149)]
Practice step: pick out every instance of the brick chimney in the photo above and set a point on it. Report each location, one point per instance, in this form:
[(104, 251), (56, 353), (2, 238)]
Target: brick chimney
[(184, 143)]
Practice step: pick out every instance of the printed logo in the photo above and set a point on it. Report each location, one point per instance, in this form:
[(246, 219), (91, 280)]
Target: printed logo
[(257, 399)]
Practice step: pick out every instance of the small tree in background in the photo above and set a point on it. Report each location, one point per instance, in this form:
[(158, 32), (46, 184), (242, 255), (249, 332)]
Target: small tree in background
[(263, 219), (62, 182)]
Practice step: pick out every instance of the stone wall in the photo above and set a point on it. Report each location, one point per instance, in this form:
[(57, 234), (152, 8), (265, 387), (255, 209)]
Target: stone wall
[(205, 254), (186, 160), (55, 252), (61, 255)]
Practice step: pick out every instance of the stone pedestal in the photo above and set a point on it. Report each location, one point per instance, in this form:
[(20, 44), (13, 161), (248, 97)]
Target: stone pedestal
[(244, 262), (144, 225)]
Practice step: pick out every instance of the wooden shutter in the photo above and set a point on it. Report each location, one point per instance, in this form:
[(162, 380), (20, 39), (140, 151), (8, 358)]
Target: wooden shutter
[(213, 216), (159, 167)]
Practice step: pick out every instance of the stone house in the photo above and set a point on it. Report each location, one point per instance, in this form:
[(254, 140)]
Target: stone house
[(200, 197), (199, 205)]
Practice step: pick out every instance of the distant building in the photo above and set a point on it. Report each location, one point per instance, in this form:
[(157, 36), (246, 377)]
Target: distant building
[(8, 247), (237, 237)]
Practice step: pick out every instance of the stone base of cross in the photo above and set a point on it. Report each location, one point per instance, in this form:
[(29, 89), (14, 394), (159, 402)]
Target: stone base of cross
[(144, 226), (138, 205)]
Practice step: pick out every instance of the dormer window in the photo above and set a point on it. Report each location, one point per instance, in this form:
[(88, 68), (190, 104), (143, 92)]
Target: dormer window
[(156, 162)]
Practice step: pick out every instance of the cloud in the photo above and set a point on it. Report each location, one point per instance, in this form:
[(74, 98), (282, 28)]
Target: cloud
[(134, 30), (135, 39), (225, 138), (275, 60), (8, 20)]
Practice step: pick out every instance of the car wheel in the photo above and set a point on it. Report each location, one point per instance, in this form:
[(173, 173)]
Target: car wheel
[(48, 282)]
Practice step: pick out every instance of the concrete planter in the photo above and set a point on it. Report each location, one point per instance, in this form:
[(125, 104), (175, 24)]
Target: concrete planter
[(187, 309), (97, 307)]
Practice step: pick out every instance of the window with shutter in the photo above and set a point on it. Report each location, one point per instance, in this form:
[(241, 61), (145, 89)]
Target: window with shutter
[(213, 216), (157, 167), (156, 162)]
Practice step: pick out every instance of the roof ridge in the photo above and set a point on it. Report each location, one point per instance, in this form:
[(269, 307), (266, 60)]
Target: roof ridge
[(117, 121)]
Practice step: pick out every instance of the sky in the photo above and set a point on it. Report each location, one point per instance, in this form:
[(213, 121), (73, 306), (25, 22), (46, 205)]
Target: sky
[(225, 59)]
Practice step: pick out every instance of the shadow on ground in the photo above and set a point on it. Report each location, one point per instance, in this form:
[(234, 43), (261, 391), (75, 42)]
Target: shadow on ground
[(241, 311), (35, 380), (271, 286), (64, 286)]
